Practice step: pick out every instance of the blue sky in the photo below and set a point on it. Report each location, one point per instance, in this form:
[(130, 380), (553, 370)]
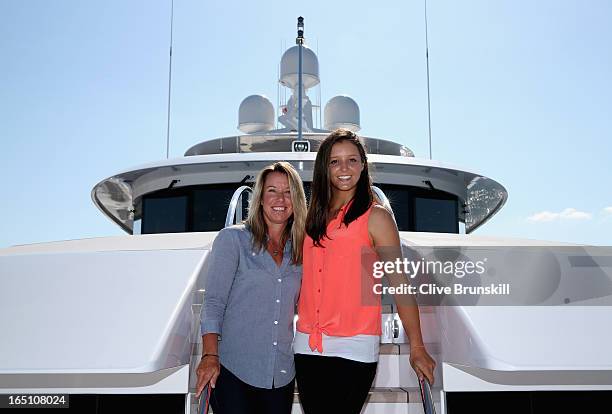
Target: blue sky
[(521, 92)]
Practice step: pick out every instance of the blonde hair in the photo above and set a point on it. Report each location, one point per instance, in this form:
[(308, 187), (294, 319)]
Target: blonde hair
[(297, 222)]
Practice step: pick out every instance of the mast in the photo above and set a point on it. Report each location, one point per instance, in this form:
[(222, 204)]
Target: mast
[(428, 93), (300, 42), (169, 81)]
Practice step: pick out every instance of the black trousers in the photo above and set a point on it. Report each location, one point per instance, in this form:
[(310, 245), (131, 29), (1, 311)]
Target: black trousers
[(233, 396), (332, 384)]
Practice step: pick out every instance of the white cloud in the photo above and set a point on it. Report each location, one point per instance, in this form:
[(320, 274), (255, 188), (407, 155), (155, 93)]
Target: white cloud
[(567, 214), (543, 216), (607, 210), (573, 214)]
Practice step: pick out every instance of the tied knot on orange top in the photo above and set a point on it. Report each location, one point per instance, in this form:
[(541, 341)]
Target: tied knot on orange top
[(337, 296)]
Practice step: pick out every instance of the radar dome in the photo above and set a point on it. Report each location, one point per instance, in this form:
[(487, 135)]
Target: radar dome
[(256, 114), (342, 112), (289, 67)]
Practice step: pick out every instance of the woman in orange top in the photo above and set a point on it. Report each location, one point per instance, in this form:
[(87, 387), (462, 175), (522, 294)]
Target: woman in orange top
[(338, 329)]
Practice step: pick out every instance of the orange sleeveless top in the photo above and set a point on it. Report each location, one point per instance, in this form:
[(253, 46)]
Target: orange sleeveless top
[(337, 296)]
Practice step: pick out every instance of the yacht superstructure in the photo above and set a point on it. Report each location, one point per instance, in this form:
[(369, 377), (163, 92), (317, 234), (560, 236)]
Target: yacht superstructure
[(114, 321)]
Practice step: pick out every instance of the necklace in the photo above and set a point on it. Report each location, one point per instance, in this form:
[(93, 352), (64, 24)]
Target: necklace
[(275, 249)]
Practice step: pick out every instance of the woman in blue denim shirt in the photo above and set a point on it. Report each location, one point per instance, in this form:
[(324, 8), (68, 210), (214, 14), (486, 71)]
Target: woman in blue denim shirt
[(252, 287)]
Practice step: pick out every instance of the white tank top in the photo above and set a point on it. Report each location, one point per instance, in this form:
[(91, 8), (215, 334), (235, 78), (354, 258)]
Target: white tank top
[(362, 348)]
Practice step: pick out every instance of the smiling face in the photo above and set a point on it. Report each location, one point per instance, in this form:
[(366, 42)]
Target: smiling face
[(276, 199), (345, 166)]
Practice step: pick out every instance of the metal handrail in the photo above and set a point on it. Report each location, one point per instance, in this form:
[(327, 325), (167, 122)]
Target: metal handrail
[(427, 397), (231, 210)]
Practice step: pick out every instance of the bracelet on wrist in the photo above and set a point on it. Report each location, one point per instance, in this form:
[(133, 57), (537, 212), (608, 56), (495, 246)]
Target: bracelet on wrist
[(213, 355)]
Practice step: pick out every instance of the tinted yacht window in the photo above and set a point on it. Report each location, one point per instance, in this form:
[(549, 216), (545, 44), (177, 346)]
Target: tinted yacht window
[(420, 209), (400, 199), (164, 214), (186, 209), (210, 208), (204, 207), (435, 215)]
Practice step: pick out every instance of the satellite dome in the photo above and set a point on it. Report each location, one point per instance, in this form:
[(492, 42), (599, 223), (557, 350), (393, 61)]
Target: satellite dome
[(256, 114), (289, 68), (342, 112)]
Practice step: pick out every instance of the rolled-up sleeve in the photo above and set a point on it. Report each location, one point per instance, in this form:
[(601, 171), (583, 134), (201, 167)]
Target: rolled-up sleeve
[(223, 264)]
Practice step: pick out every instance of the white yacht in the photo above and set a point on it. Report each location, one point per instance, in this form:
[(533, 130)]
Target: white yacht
[(113, 322)]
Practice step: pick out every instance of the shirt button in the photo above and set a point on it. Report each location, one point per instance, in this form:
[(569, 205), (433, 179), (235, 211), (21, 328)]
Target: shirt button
[(277, 300), (319, 270), (279, 280), (275, 322), (274, 343), (317, 311), (319, 290)]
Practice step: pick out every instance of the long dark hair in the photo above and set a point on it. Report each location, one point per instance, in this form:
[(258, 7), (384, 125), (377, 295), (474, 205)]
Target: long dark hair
[(321, 192)]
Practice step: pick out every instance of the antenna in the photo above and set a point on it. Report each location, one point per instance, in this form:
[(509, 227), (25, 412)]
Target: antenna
[(428, 93), (278, 93), (169, 81), (318, 94), (300, 42)]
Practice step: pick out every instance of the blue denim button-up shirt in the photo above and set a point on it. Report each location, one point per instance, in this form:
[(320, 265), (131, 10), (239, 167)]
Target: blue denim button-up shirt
[(250, 302)]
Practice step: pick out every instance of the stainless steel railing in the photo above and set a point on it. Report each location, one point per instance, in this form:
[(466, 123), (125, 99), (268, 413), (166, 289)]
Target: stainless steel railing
[(234, 214)]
